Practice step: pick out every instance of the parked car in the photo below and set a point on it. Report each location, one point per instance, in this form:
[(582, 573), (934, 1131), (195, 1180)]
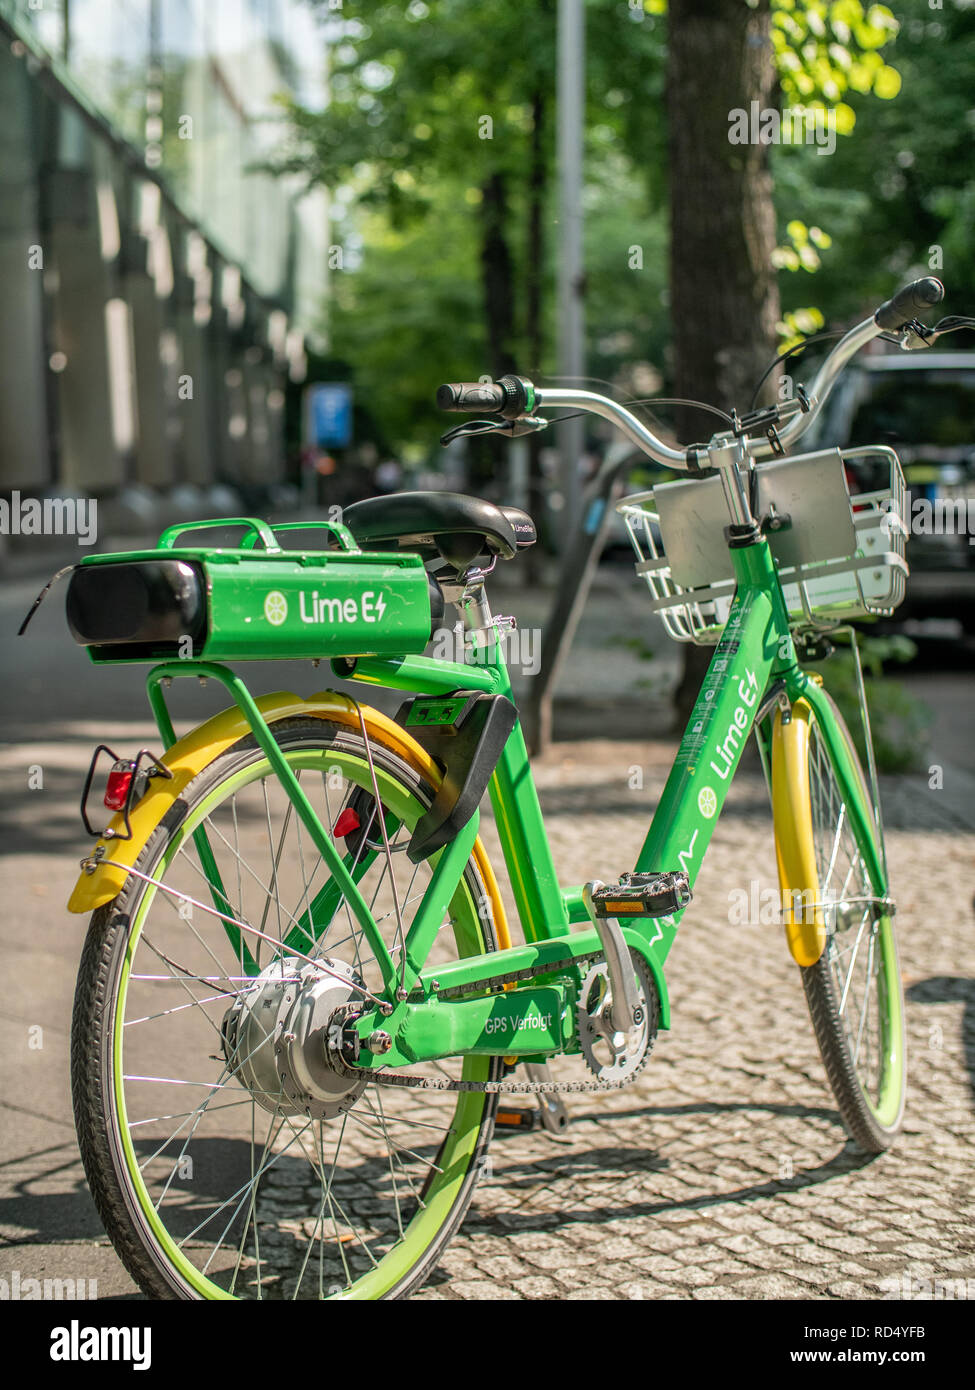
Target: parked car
[(923, 405)]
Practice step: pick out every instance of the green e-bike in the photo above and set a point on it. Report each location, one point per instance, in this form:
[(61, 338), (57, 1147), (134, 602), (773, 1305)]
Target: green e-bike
[(299, 999)]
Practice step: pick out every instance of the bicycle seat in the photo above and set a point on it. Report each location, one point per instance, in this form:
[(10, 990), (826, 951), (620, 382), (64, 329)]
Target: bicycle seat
[(440, 525)]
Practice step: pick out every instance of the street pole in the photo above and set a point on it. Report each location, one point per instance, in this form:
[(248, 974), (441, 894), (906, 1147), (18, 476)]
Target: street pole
[(570, 107), (576, 573)]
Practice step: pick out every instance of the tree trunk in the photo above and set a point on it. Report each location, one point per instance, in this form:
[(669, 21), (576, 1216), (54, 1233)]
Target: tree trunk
[(497, 274), (534, 334), (487, 457), (724, 301)]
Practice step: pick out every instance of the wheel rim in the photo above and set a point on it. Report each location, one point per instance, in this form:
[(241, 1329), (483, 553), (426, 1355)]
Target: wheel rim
[(414, 1156), (860, 953)]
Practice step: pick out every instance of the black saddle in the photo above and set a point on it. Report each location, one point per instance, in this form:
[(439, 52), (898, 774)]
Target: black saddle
[(440, 525)]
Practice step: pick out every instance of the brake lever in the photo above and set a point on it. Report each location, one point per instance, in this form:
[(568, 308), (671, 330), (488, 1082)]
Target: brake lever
[(524, 424), (915, 336)]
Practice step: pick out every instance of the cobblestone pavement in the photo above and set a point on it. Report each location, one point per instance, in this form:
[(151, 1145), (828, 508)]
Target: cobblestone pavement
[(723, 1171)]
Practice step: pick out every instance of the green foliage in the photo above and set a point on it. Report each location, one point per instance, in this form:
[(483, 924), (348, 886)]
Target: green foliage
[(824, 51), (428, 102), (797, 325), (899, 197), (402, 147), (388, 319)]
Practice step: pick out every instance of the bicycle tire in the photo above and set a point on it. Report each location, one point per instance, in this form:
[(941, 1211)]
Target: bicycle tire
[(863, 1052), (148, 1232)]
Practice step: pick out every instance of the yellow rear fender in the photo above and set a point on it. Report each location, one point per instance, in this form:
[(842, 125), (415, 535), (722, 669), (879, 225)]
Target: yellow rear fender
[(198, 749), (795, 850)]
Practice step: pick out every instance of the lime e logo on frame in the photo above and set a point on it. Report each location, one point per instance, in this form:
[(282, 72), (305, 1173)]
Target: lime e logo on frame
[(707, 802), (316, 608), (275, 608)]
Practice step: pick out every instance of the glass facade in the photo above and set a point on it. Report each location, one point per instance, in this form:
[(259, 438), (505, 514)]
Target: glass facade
[(159, 283)]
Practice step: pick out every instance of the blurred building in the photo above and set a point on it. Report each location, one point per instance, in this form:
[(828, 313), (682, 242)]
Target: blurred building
[(158, 287)]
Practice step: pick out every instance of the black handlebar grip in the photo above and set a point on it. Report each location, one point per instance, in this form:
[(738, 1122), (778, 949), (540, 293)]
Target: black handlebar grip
[(909, 303), (485, 397)]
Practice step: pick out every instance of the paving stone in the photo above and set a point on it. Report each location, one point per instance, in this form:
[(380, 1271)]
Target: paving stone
[(501, 1267), (693, 1276), (723, 1171), (482, 1289), (537, 1286)]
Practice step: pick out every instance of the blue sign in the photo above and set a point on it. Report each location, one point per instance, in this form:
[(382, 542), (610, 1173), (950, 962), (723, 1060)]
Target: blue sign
[(330, 414)]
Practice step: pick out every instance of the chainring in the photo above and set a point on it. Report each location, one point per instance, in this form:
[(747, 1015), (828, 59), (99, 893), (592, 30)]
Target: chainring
[(612, 1056)]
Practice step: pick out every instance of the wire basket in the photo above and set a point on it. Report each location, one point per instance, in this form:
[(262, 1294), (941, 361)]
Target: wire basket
[(838, 556)]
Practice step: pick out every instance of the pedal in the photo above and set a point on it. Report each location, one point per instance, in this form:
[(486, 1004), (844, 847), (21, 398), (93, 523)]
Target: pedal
[(513, 1117), (641, 895), (636, 895)]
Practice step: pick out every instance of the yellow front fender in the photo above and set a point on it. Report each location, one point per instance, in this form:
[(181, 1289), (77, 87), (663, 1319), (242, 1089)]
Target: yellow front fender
[(795, 849), (191, 754)]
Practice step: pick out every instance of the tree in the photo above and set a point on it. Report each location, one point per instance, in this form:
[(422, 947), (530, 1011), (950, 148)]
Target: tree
[(898, 198), (441, 117), (723, 291), (726, 57)]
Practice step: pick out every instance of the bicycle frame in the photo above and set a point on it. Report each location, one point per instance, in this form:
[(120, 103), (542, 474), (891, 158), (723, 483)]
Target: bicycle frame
[(535, 1019)]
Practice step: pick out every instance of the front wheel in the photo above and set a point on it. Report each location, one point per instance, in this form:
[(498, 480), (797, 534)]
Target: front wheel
[(225, 1160), (854, 989)]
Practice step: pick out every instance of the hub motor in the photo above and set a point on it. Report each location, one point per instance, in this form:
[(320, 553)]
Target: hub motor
[(276, 1038)]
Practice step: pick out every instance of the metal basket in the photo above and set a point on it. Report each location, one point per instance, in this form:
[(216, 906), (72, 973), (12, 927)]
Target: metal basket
[(839, 557)]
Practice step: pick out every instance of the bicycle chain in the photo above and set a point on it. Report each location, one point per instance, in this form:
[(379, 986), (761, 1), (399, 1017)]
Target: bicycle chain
[(503, 1087)]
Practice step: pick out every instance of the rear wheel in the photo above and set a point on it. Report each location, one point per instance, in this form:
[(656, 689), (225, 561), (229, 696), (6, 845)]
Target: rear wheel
[(219, 1169), (854, 990)]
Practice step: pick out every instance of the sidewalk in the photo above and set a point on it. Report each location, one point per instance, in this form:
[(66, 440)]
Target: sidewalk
[(723, 1172)]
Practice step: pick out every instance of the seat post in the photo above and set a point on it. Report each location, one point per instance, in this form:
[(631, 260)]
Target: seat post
[(474, 606)]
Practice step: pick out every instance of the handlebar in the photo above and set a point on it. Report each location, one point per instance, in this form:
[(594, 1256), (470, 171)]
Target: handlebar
[(509, 396), (618, 415), (907, 303), (512, 397)]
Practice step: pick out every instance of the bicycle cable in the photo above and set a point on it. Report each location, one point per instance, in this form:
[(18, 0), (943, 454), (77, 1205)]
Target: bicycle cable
[(679, 400), (954, 322), (822, 337), (951, 323)]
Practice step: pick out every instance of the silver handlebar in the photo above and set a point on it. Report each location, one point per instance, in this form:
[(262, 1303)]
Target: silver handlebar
[(646, 440), (610, 410), (848, 345)]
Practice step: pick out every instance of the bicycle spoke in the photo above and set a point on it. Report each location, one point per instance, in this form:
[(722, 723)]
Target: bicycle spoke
[(844, 883), (296, 1203)]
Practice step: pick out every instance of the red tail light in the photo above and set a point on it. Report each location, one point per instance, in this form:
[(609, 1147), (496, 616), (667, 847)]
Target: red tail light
[(119, 781), (346, 823)]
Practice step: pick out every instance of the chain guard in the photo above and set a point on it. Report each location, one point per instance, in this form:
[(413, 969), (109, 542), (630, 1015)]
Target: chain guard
[(602, 1081)]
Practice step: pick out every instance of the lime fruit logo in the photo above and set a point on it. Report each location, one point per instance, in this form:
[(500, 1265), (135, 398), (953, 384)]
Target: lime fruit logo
[(707, 802), (275, 608)]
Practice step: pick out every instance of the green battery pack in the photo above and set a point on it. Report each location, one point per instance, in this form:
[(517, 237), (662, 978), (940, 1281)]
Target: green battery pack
[(255, 602)]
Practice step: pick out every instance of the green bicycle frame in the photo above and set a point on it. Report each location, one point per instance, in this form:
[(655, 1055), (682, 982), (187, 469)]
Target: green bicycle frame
[(536, 1018)]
